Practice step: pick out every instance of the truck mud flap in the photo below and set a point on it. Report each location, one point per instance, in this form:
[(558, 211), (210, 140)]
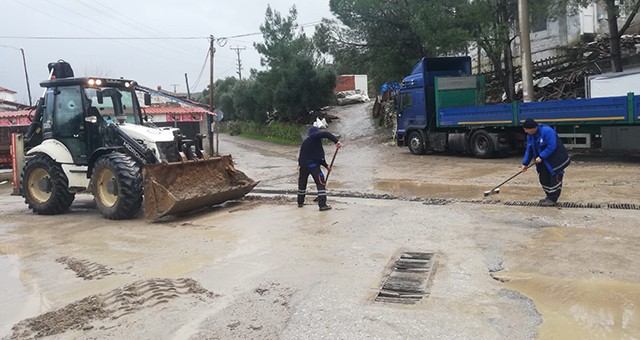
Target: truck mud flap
[(174, 188)]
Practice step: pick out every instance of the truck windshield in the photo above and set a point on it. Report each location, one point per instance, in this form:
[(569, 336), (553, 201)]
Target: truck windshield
[(115, 103)]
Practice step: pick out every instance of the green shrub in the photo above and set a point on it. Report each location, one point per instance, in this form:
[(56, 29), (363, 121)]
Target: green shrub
[(286, 133)]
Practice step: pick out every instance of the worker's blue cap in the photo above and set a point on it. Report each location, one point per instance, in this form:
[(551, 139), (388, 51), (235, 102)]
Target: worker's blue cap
[(529, 124)]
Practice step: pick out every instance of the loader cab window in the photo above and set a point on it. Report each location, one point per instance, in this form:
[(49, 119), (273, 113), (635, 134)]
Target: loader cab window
[(68, 107), (47, 115), (114, 104), (68, 121)]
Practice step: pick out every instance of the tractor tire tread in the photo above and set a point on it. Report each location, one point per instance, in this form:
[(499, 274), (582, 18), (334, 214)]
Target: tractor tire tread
[(129, 178), (61, 199)]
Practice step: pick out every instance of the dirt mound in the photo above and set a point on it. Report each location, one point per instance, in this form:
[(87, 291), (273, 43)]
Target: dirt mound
[(115, 304)]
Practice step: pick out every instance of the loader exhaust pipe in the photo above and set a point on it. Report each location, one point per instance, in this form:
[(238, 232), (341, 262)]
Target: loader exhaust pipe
[(174, 188)]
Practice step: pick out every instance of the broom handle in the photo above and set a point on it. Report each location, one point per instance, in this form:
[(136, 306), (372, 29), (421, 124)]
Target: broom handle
[(331, 166), (512, 177)]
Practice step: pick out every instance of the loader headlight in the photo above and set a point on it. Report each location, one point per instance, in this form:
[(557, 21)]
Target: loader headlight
[(127, 84), (96, 82)]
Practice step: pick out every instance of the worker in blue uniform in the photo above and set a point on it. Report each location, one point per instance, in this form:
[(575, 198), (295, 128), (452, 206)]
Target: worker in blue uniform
[(309, 161), (545, 148)]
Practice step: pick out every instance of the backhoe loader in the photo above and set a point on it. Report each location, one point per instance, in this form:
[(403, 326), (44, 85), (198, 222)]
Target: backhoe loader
[(91, 135)]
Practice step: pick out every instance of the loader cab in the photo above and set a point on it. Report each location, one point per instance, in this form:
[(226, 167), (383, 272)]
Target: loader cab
[(76, 108)]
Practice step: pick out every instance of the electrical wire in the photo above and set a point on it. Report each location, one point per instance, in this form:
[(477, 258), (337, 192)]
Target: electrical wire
[(101, 36), (115, 28), (131, 22), (206, 61)]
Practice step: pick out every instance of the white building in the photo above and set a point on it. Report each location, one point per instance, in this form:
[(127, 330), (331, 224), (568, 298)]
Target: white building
[(550, 37)]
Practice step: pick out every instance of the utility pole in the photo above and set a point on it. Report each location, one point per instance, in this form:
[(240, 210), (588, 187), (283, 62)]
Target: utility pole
[(238, 49), (174, 87), (186, 81), (26, 75), (525, 52), (212, 51)]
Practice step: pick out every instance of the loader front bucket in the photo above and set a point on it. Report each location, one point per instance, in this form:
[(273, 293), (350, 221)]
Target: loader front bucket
[(173, 188)]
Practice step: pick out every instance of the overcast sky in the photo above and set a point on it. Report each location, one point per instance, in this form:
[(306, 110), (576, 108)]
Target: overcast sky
[(158, 62)]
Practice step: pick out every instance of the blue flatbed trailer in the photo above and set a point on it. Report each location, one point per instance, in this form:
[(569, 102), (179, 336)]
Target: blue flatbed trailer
[(441, 107)]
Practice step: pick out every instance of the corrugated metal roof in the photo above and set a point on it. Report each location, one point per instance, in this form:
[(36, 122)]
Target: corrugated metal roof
[(4, 89), (161, 110), (15, 114)]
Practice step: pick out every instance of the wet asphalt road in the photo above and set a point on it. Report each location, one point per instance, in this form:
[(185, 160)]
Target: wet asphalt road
[(275, 271)]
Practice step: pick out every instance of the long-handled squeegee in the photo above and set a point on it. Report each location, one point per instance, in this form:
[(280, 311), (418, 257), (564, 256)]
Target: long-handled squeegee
[(496, 190)]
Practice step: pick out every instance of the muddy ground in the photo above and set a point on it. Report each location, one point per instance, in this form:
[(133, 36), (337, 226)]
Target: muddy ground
[(262, 268)]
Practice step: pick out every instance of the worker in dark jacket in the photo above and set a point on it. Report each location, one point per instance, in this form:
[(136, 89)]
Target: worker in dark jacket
[(546, 149), (310, 159)]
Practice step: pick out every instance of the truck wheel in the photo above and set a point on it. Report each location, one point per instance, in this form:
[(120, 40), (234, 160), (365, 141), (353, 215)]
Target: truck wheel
[(116, 185), (416, 143), (45, 187), (482, 144)]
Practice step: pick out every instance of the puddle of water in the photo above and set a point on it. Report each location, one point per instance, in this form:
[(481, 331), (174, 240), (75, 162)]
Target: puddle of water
[(419, 189), (177, 267), (580, 309), (16, 301)]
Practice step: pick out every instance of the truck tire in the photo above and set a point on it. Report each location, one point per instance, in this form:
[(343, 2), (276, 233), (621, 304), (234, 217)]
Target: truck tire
[(416, 143), (116, 185), (45, 187), (482, 144)]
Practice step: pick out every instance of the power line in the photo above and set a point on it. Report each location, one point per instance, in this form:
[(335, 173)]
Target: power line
[(221, 41), (131, 22), (100, 38), (86, 30), (115, 28)]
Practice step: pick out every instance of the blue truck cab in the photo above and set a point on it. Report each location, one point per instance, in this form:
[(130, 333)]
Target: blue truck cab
[(416, 105)]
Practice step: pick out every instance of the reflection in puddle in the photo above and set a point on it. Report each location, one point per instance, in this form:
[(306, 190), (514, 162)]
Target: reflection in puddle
[(596, 308), (17, 303)]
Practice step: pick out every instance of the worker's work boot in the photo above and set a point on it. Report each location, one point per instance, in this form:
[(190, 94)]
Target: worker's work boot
[(300, 205), (547, 203), (325, 207), (542, 200)]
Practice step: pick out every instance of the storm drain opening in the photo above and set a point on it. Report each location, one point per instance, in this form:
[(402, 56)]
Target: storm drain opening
[(408, 281)]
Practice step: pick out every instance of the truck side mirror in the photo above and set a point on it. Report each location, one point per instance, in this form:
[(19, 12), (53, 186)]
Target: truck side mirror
[(100, 97), (147, 99)]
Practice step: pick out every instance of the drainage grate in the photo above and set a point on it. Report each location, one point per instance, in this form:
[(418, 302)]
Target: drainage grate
[(559, 204), (408, 281), (624, 206), (627, 206)]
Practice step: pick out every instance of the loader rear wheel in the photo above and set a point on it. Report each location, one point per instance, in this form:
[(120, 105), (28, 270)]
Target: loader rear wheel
[(44, 186), (116, 185)]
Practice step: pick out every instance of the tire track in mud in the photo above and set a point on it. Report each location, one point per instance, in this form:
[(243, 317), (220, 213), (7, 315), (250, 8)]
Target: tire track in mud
[(85, 269), (113, 305)]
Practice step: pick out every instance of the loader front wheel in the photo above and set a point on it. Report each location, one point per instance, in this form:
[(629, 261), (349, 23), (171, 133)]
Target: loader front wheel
[(44, 186), (116, 184)]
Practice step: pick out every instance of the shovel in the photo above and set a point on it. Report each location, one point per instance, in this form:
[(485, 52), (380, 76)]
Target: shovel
[(496, 190)]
